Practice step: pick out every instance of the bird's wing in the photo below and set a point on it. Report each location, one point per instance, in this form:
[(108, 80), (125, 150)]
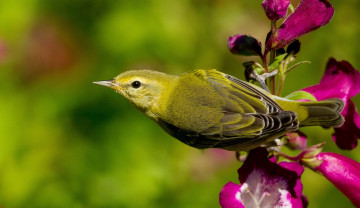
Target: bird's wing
[(255, 92), (248, 111), (245, 138)]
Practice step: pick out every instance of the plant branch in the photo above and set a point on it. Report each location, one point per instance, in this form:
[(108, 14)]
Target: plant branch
[(295, 65)]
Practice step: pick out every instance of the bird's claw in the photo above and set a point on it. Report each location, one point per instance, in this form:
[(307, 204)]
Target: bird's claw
[(261, 78)]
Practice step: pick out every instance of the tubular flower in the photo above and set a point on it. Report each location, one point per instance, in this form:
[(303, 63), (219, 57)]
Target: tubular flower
[(308, 16), (343, 172), (264, 183), (341, 80), (275, 9)]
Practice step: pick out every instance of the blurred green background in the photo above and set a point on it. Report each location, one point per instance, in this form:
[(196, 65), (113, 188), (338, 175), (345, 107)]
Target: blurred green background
[(65, 142)]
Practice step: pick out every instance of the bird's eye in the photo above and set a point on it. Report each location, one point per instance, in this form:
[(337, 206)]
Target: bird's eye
[(136, 84)]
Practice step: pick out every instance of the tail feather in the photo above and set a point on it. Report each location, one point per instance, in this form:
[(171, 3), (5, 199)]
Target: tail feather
[(326, 113)]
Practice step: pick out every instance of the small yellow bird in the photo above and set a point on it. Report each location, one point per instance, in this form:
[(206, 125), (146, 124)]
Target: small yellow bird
[(210, 109)]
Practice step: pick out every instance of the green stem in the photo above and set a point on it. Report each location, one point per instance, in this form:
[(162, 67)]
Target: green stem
[(264, 60), (281, 79), (283, 71), (292, 158), (295, 65), (272, 86)]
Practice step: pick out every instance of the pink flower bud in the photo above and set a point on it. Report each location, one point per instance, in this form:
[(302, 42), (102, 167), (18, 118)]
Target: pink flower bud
[(275, 9), (244, 45)]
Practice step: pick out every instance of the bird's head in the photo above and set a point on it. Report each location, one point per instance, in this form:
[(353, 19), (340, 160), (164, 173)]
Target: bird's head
[(143, 88)]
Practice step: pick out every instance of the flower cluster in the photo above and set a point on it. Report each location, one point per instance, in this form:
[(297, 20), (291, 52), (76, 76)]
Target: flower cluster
[(265, 181)]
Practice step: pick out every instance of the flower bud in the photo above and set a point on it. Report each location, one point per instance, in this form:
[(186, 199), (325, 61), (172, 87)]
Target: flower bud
[(275, 9), (244, 45), (296, 140), (294, 47)]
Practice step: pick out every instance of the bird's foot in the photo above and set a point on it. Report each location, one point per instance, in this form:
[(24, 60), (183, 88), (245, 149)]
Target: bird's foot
[(254, 71), (262, 78)]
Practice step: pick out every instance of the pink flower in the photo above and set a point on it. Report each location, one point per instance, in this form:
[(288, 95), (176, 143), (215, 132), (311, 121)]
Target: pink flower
[(341, 80), (343, 172), (264, 183), (275, 9), (308, 16)]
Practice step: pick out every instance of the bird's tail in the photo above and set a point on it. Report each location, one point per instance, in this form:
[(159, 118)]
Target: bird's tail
[(326, 113)]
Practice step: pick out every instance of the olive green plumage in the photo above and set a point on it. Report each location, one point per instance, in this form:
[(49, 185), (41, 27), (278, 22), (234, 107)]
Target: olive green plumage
[(210, 109)]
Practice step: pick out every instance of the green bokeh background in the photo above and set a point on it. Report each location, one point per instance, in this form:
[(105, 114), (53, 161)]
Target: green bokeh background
[(65, 142)]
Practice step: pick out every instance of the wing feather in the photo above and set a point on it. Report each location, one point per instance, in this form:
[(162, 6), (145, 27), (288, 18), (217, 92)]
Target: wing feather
[(257, 93), (248, 111)]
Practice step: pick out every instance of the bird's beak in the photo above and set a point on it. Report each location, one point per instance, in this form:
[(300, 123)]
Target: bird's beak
[(112, 84), (107, 83)]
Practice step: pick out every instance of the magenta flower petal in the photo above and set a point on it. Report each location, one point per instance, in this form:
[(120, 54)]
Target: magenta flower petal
[(343, 172), (275, 9), (244, 45), (264, 182), (305, 201), (230, 196), (347, 135), (308, 16), (341, 80)]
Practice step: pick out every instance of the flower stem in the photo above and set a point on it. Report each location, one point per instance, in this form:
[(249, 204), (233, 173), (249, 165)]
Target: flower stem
[(272, 58), (264, 60), (292, 158), (297, 64), (282, 68)]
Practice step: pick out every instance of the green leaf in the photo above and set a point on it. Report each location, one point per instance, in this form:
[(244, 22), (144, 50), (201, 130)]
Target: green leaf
[(298, 95), (276, 62), (259, 70)]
